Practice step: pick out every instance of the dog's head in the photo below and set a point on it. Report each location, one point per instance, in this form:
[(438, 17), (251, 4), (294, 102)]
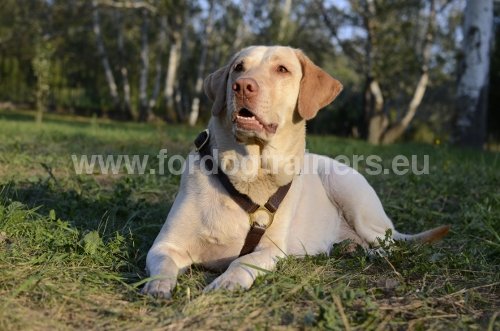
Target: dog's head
[(264, 89)]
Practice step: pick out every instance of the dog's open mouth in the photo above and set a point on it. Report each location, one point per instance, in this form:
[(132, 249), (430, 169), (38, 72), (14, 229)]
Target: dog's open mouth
[(245, 119)]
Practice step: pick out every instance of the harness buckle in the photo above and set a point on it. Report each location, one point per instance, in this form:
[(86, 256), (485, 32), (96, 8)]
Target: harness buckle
[(257, 216)]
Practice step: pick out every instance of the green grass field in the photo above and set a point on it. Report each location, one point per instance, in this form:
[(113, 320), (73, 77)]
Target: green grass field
[(73, 247)]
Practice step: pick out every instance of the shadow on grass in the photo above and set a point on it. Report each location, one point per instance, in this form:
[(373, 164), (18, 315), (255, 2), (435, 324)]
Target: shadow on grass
[(118, 209)]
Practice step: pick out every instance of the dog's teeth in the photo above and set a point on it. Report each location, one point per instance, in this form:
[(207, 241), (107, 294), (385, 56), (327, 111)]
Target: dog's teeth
[(247, 118)]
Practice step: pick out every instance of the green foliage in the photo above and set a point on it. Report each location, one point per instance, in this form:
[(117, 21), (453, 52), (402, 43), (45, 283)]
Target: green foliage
[(72, 247), (92, 242), (28, 28)]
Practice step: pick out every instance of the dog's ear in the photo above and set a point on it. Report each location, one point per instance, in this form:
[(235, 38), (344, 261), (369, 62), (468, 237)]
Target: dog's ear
[(317, 88), (215, 89)]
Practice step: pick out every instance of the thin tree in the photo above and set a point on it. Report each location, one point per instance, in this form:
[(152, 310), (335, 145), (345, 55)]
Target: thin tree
[(284, 21), (123, 65), (175, 34), (41, 64), (160, 50), (143, 80), (101, 50), (195, 106)]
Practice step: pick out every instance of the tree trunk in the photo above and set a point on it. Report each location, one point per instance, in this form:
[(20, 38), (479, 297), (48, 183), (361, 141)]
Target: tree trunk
[(113, 91), (143, 80), (173, 64), (161, 45), (195, 106), (182, 104), (378, 121), (285, 17), (41, 64), (127, 109), (395, 131), (242, 29), (379, 130), (470, 127), (176, 24), (216, 54)]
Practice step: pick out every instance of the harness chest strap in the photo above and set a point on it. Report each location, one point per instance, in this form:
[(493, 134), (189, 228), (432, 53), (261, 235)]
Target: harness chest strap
[(254, 235)]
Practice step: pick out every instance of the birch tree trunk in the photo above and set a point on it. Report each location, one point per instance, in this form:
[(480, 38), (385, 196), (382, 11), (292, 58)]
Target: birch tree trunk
[(195, 106), (173, 64), (143, 80), (96, 25), (472, 93)]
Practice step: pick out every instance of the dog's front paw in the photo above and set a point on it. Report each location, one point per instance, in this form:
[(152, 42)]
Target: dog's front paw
[(159, 288), (231, 280)]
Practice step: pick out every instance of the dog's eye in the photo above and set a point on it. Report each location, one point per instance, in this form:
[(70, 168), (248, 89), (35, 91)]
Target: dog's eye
[(282, 69), (238, 67)]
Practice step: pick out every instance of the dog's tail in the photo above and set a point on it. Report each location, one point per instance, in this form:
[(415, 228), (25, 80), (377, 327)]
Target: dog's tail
[(428, 236)]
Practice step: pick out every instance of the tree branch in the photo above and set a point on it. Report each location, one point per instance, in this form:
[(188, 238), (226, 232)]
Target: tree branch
[(346, 47), (128, 5), (396, 130)]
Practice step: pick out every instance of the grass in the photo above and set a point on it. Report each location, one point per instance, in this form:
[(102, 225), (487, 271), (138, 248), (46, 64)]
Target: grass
[(72, 247)]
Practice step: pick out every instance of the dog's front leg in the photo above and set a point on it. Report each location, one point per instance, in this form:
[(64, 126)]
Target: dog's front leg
[(242, 272), (163, 265)]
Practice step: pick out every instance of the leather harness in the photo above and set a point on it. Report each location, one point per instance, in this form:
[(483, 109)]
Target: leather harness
[(254, 235)]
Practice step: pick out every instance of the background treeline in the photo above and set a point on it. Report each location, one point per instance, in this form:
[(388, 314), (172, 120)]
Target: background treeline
[(145, 60)]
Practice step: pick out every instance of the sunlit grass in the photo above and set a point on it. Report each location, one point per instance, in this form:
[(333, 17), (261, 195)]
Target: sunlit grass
[(72, 247)]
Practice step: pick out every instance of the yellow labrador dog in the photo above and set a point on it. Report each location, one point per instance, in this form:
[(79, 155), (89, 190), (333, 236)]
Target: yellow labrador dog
[(261, 102)]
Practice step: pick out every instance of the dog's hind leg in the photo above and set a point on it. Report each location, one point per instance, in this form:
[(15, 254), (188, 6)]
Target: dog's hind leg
[(361, 207), (346, 232), (357, 200)]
